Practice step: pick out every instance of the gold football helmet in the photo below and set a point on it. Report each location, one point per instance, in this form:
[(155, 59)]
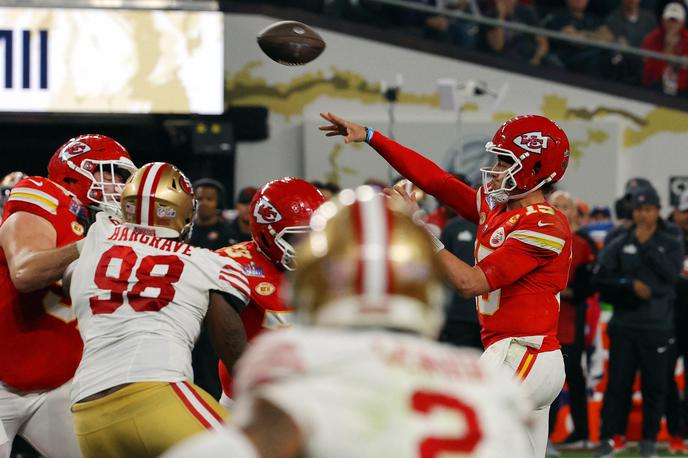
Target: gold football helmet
[(159, 198), (367, 264)]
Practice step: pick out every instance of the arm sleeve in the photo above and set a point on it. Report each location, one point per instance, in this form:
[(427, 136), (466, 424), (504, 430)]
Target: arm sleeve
[(428, 176), (527, 247), (510, 262)]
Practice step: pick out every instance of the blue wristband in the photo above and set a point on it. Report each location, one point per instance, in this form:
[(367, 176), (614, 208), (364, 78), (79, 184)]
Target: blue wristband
[(369, 134)]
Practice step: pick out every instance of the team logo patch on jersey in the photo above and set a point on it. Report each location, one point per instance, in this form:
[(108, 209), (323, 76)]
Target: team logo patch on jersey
[(497, 238), (534, 142), (74, 207), (73, 149), (252, 270), (266, 213), (77, 228), (483, 217), (265, 288)]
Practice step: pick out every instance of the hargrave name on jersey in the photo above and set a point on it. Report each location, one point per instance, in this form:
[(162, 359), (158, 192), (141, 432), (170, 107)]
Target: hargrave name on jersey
[(125, 234)]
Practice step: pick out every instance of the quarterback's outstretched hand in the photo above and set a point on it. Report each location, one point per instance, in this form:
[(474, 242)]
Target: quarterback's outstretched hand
[(351, 132), (409, 198)]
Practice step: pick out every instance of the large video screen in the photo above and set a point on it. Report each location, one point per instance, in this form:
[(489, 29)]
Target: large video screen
[(111, 61)]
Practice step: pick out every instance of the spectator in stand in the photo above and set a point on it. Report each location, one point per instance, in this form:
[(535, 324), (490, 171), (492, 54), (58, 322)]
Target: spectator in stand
[(627, 25), (452, 30), (572, 322), (576, 22), (239, 226), (676, 407), (670, 37), (461, 326), (518, 45), (636, 272)]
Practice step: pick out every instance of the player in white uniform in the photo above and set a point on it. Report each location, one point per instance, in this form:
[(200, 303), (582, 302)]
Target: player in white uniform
[(140, 295), (367, 381)]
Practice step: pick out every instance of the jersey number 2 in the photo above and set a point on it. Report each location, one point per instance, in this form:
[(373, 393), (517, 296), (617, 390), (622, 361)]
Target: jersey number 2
[(113, 272), (432, 447)]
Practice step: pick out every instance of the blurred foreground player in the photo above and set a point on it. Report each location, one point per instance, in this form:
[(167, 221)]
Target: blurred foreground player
[(522, 251), (280, 211), (367, 380), (140, 295), (40, 345)]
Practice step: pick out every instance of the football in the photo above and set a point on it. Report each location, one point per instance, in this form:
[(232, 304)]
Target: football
[(290, 43)]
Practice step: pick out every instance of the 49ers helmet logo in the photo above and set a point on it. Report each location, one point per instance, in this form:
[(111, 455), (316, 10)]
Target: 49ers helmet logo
[(266, 213), (74, 149), (534, 142)]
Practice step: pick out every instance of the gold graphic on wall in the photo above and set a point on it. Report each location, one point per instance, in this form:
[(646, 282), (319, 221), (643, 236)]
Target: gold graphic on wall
[(337, 170), (656, 121), (593, 137), (290, 98)]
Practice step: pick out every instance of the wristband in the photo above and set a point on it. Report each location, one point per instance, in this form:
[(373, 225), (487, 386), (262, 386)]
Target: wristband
[(369, 134)]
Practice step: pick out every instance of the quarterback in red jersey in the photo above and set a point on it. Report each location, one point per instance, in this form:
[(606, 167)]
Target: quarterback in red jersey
[(40, 346), (523, 246), (280, 210)]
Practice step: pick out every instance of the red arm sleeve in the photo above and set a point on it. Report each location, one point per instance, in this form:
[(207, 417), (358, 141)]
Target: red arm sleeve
[(509, 263), (428, 176), (534, 242)]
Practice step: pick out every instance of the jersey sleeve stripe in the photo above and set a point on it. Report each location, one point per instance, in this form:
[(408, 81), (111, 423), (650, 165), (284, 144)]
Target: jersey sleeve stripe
[(242, 289), (238, 277), (539, 240), (40, 201)]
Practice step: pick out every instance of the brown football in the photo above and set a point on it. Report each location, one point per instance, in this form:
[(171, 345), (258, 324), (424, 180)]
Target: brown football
[(290, 42)]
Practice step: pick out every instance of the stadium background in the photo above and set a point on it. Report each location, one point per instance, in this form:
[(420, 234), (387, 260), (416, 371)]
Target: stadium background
[(189, 85)]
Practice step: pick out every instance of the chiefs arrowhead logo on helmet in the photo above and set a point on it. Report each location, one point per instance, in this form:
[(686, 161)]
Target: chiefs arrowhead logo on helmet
[(533, 142), (73, 149), (266, 213)]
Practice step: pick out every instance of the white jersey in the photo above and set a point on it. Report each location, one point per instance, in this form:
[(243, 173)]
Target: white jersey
[(381, 394), (140, 301)]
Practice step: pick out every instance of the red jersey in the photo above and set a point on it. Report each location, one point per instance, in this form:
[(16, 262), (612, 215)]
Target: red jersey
[(266, 308), (40, 346), (525, 253)]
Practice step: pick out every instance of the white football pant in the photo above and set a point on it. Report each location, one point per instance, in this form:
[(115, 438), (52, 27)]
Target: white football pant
[(43, 419), (542, 377)]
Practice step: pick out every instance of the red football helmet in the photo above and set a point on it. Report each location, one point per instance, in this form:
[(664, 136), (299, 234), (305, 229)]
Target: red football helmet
[(538, 150), (280, 208), (88, 165)]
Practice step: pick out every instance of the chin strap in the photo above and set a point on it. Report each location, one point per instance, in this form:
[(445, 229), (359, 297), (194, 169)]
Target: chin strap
[(541, 184)]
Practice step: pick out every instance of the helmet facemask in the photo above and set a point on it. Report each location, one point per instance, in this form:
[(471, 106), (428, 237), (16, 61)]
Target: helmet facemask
[(509, 183), (105, 193), (286, 244), (500, 195)]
